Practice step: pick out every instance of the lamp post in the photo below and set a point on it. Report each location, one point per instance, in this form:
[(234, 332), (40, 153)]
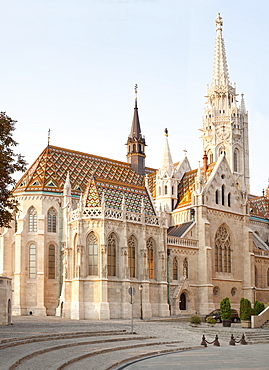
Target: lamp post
[(141, 304)]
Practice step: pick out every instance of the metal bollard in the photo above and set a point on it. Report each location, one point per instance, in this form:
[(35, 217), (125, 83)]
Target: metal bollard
[(232, 341)]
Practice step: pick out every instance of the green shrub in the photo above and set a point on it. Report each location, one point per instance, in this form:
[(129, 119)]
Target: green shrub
[(194, 319), (225, 309), (258, 307), (245, 309), (210, 320)]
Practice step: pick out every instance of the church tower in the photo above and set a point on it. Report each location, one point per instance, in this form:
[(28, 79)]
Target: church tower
[(225, 123), (136, 143)]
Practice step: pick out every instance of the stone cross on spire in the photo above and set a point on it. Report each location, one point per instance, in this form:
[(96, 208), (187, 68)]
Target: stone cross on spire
[(220, 71)]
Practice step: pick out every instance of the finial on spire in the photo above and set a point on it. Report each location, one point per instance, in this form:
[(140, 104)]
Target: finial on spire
[(135, 88), (218, 22), (166, 132), (185, 152), (49, 137)]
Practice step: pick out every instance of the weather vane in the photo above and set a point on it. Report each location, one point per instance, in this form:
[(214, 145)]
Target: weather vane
[(49, 137)]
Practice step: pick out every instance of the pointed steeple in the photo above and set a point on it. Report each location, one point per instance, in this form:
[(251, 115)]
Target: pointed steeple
[(243, 105), (166, 161), (67, 186), (136, 143), (220, 70)]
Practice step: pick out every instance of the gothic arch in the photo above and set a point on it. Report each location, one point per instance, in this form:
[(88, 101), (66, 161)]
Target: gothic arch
[(223, 251), (236, 163), (32, 219), (112, 245), (151, 260), (92, 253), (52, 220), (132, 252)]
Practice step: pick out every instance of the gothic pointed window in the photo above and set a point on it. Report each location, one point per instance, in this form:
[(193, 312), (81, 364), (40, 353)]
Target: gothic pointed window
[(267, 277), (229, 199), (32, 261), (210, 156), (223, 195), (185, 268), (32, 220), (51, 273), (217, 197), (236, 158), (150, 249), (132, 245), (256, 277), (222, 250), (175, 269), (92, 244), (165, 189), (111, 255), (51, 220)]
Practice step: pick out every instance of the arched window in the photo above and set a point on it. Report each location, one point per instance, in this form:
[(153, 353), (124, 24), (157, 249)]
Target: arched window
[(134, 148), (185, 268), (223, 195), (32, 220), (92, 244), (111, 255), (51, 220), (175, 269), (150, 248), (236, 158), (229, 199), (165, 189), (217, 197), (132, 244), (267, 277), (222, 250), (210, 156), (32, 261), (51, 273)]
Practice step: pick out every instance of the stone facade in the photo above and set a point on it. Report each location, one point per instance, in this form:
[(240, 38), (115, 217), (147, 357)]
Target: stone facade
[(89, 228), (5, 300)]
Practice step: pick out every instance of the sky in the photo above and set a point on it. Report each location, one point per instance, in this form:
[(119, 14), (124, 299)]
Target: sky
[(71, 65)]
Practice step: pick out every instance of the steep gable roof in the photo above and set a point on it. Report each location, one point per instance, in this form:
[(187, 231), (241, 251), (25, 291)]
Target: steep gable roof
[(90, 173)]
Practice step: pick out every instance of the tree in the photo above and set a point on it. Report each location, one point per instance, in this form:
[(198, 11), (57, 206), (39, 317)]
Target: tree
[(9, 164), (225, 309)]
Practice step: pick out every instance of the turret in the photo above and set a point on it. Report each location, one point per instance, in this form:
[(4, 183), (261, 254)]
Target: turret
[(136, 143)]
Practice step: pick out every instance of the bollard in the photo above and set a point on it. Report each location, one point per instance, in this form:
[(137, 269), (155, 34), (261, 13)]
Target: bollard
[(232, 341), (203, 343), (243, 341), (216, 341)]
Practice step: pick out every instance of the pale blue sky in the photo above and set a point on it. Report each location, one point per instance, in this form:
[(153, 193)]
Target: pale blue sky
[(71, 65)]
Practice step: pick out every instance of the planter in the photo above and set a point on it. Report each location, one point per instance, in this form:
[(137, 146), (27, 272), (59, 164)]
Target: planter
[(226, 323), (245, 323)]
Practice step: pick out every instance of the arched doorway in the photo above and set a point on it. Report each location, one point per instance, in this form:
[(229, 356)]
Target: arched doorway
[(182, 302)]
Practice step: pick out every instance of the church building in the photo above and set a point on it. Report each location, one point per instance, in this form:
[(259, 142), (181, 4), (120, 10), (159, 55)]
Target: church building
[(89, 228)]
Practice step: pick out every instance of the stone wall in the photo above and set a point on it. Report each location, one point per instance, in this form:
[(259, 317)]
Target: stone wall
[(5, 300)]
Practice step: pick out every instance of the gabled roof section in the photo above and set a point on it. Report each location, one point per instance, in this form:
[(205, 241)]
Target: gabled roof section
[(49, 171), (259, 207), (187, 186), (179, 230)]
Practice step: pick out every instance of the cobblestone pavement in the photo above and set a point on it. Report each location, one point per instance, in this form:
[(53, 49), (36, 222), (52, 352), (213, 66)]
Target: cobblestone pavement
[(35, 343)]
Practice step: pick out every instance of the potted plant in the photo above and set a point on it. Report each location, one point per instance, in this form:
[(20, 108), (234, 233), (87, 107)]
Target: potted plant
[(210, 321), (195, 320), (245, 312), (225, 312)]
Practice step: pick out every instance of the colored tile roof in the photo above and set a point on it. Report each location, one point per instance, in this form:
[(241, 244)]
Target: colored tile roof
[(259, 207), (187, 186), (88, 173)]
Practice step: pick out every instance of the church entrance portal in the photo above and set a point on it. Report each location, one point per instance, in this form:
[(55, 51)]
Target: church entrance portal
[(182, 302)]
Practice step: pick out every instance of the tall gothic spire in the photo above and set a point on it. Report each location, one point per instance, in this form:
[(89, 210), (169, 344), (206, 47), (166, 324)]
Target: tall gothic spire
[(136, 143), (220, 71), (166, 161)]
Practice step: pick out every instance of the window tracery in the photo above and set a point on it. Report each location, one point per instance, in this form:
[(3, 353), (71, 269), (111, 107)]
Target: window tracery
[(111, 255), (92, 254), (222, 250), (132, 244), (150, 248)]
